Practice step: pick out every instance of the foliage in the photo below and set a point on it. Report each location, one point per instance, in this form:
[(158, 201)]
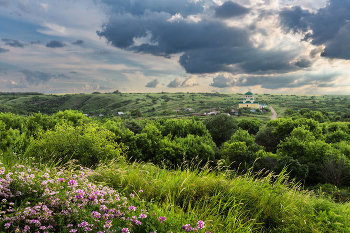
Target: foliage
[(252, 126), (89, 144), (263, 202), (64, 200), (221, 128), (267, 138)]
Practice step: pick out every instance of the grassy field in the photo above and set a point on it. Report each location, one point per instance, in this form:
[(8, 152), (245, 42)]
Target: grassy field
[(214, 200), (166, 104)]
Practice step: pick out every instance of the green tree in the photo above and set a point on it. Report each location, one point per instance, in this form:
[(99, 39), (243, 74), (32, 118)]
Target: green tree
[(242, 136), (136, 113), (90, 144), (267, 138), (303, 146), (221, 128), (293, 168), (251, 125), (233, 152)]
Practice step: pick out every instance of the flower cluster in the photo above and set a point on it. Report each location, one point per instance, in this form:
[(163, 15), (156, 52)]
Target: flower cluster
[(62, 200), (200, 225), (60, 196)]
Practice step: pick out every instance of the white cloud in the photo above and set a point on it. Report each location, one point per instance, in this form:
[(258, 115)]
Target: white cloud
[(45, 6)]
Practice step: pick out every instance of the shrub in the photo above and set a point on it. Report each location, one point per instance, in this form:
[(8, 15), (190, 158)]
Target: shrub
[(89, 144)]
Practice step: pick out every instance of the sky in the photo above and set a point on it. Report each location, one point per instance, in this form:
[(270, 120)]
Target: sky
[(83, 46)]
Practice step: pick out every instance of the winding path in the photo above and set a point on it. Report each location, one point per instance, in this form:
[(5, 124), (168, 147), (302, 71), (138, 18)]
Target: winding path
[(274, 113)]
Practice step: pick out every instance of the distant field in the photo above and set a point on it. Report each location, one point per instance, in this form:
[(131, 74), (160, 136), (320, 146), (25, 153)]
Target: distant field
[(164, 104)]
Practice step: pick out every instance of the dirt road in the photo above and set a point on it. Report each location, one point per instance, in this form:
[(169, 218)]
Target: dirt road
[(274, 113)]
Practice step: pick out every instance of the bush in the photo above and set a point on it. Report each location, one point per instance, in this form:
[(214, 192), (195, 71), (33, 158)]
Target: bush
[(252, 126), (89, 144), (266, 137), (221, 128)]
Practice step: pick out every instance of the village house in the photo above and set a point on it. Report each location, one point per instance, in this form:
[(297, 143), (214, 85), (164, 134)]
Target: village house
[(250, 102)]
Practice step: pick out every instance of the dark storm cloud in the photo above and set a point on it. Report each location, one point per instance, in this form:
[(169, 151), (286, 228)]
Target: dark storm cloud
[(171, 37), (2, 50), (153, 84), (303, 63), (36, 77), (13, 43), (208, 46), (294, 19), (55, 44), (329, 27), (277, 81), (78, 42), (230, 9), (138, 7), (247, 60)]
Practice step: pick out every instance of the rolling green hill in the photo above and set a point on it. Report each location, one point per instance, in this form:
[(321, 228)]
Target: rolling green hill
[(162, 104)]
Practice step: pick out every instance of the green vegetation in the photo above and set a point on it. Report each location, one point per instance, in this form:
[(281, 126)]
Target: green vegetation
[(218, 174)]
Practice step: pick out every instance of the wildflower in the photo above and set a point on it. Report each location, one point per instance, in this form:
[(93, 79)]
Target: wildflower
[(200, 224), (137, 222), (133, 208), (83, 224), (4, 200), (95, 214), (103, 209), (143, 216), (141, 191), (187, 227), (125, 230), (7, 225), (61, 180), (80, 194), (73, 231), (132, 195), (108, 224), (72, 183), (162, 219)]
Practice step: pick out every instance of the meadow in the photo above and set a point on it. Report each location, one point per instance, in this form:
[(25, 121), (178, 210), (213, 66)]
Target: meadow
[(155, 105), (66, 172)]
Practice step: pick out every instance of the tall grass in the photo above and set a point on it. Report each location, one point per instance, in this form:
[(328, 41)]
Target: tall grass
[(227, 202), (268, 204)]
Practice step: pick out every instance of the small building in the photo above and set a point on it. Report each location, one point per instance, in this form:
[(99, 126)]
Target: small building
[(213, 113), (120, 113), (250, 102)]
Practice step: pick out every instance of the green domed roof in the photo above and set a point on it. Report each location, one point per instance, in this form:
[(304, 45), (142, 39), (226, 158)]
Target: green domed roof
[(248, 93)]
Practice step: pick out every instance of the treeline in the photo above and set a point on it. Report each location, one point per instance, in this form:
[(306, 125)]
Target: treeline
[(319, 115), (313, 152)]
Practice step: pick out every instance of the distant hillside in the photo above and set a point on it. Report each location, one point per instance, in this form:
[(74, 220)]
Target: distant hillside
[(160, 104)]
